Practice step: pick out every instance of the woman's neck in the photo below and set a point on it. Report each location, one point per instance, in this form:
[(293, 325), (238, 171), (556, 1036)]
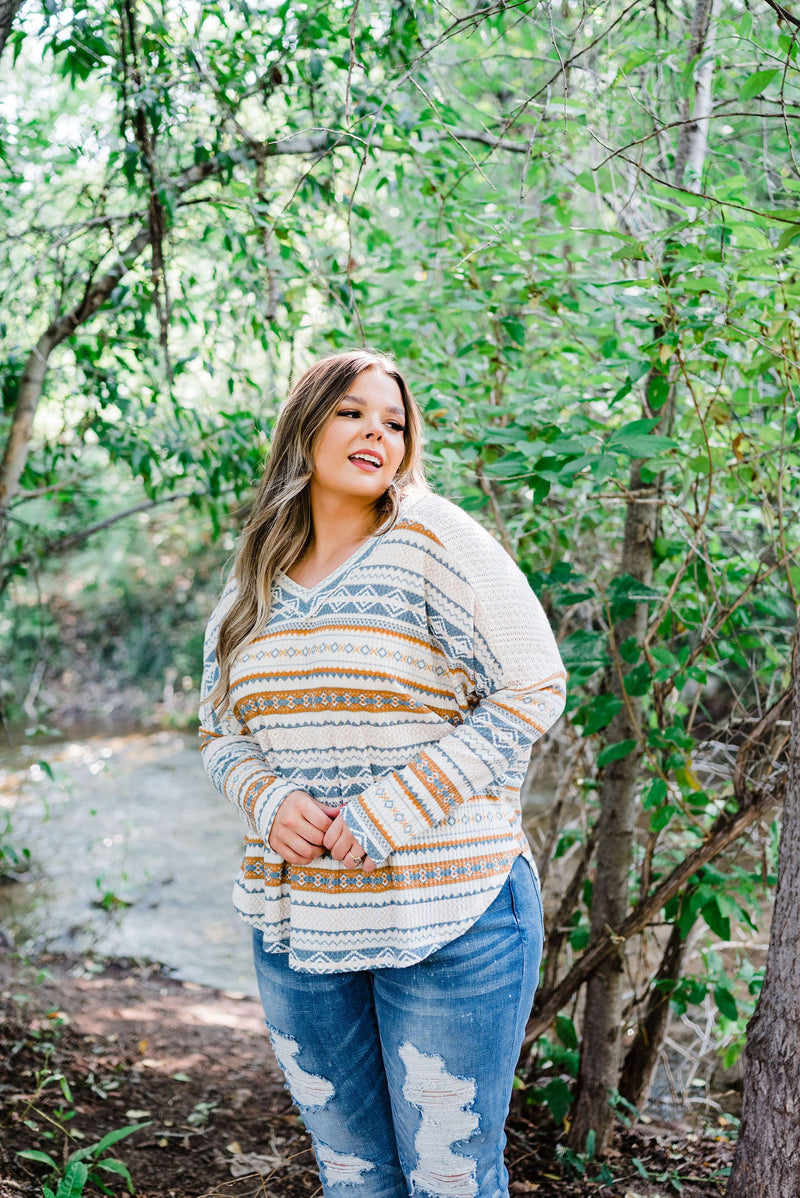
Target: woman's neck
[(339, 520), (337, 529)]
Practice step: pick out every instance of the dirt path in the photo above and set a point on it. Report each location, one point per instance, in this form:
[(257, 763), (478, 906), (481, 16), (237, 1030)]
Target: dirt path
[(194, 1065), (137, 1046)]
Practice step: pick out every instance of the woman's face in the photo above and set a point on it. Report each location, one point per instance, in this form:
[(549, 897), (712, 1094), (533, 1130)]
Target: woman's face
[(363, 444)]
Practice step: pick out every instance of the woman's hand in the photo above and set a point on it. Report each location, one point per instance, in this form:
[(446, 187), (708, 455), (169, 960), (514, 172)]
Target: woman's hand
[(341, 842), (298, 830)]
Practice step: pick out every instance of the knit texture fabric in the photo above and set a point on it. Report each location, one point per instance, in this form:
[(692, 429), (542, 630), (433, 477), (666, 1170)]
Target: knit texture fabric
[(410, 685)]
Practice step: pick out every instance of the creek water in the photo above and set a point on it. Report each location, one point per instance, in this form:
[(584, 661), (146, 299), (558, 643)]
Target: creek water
[(132, 853)]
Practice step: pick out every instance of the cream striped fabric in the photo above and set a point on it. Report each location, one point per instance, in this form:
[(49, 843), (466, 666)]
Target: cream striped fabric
[(410, 685)]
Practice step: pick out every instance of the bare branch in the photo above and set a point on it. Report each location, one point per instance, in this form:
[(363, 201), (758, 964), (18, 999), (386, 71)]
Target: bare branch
[(62, 544)]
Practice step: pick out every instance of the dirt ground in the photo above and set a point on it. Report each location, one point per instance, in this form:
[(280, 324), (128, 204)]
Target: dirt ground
[(88, 1047)]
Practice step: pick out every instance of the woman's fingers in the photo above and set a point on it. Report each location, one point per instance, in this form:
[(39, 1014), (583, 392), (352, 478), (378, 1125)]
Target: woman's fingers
[(295, 850), (339, 838), (340, 841), (302, 828), (299, 815), (315, 815)]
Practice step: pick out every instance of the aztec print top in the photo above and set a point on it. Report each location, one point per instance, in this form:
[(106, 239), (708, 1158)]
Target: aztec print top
[(410, 685)]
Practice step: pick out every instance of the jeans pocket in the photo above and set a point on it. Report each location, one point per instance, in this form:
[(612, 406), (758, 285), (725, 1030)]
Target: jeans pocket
[(526, 901)]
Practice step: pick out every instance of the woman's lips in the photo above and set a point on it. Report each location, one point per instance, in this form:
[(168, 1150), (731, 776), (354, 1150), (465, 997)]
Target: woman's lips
[(370, 467)]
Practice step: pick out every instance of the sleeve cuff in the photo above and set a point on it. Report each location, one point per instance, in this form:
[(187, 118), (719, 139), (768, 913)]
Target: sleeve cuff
[(374, 844), (267, 807)]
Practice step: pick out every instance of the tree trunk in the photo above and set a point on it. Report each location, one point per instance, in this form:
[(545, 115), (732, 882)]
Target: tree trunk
[(642, 1056), (8, 10), (601, 1045), (767, 1162)]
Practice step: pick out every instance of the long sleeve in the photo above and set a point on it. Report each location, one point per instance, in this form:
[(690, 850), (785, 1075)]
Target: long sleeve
[(233, 758), (494, 635)]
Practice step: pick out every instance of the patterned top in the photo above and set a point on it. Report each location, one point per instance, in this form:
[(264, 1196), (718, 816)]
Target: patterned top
[(410, 685)]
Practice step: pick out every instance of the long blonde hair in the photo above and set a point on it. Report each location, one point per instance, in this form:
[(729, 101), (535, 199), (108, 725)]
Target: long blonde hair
[(279, 526)]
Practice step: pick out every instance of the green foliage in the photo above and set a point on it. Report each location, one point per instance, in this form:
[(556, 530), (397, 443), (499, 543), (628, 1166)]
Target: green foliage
[(89, 1165), (13, 858), (85, 1165), (567, 312)]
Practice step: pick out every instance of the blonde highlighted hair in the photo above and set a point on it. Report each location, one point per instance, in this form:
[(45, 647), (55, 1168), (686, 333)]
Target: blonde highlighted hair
[(279, 526)]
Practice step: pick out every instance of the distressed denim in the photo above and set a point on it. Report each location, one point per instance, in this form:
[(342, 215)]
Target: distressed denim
[(404, 1076)]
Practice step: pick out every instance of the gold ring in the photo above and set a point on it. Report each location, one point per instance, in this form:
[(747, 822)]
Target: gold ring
[(357, 860)]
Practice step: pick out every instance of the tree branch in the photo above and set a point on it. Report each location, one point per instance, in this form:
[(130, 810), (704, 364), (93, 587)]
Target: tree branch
[(71, 539), (727, 829), (784, 13)]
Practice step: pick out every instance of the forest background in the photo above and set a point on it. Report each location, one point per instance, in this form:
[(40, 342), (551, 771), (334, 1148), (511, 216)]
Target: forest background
[(576, 227)]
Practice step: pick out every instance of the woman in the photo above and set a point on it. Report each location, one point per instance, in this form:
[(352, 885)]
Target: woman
[(375, 675)]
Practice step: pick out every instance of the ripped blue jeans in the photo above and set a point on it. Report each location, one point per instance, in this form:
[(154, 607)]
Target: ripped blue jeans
[(404, 1076)]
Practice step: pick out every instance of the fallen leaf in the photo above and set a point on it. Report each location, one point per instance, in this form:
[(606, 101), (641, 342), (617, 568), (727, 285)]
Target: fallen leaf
[(254, 1162)]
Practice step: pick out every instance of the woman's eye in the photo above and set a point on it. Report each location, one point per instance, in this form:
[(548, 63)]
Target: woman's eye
[(397, 428), (349, 412)]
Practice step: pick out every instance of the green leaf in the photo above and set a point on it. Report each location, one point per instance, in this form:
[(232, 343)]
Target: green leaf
[(720, 924), (654, 794), (565, 1030), (584, 648), (73, 1181), (112, 1166), (558, 1098), (627, 588), (788, 236), (118, 1134), (33, 1154), (600, 712), (754, 84), (636, 440), (638, 680), (615, 752), (726, 1003), (661, 818), (579, 939), (733, 1052), (630, 650)]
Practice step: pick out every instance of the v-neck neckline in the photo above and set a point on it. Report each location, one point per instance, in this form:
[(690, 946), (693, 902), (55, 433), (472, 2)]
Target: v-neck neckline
[(291, 585), (304, 592)]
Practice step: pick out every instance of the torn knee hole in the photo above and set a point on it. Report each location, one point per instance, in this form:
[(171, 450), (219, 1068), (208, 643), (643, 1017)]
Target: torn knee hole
[(307, 1089), (342, 1168), (445, 1103)]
